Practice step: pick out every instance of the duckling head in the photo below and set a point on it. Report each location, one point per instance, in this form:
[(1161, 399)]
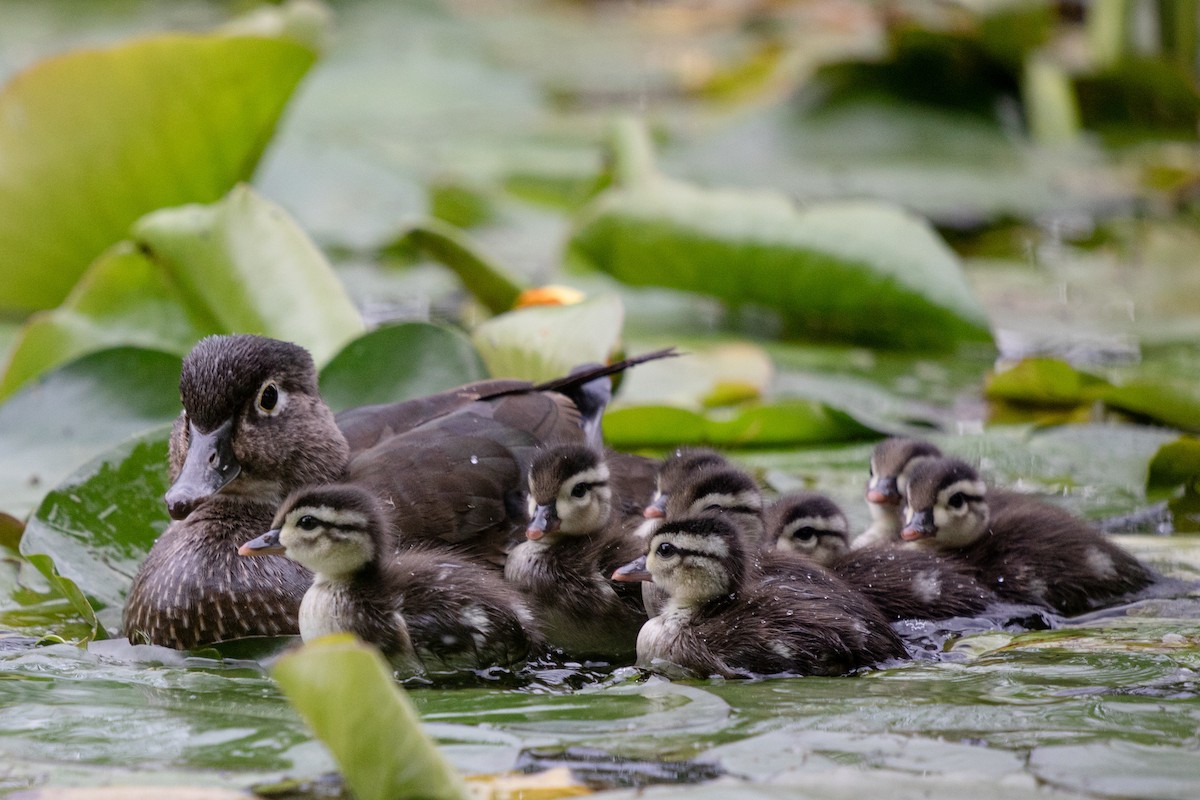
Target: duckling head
[(675, 470), (809, 524), (333, 530), (569, 493), (891, 461), (720, 489), (694, 559), (947, 504), (253, 424)]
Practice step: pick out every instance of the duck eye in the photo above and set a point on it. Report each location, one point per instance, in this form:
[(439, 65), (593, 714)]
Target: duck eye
[(666, 550), (307, 523), (579, 490), (714, 507), (805, 534), (268, 398), (957, 500)]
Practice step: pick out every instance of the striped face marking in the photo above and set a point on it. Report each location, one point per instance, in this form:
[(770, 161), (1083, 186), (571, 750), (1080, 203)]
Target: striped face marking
[(332, 542), (581, 505), (690, 567), (820, 538), (960, 513)]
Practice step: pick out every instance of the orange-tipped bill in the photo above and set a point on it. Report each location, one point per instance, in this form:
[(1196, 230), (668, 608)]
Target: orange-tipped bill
[(657, 508), (920, 526), (883, 492), (266, 545), (544, 521), (633, 572)]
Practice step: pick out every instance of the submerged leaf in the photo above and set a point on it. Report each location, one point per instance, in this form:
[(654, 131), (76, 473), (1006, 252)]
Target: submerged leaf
[(862, 271), (538, 343), (397, 363), (346, 693), (94, 139)]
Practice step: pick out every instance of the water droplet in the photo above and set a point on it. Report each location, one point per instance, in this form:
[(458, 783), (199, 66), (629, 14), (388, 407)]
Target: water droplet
[(474, 459)]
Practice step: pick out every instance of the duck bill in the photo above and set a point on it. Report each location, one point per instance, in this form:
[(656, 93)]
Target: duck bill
[(544, 521), (210, 465), (920, 526), (266, 545), (633, 572), (657, 509), (883, 492)]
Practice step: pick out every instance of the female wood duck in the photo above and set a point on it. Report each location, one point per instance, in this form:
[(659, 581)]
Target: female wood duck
[(891, 461), (724, 619), (424, 608), (254, 428), (902, 582), (1023, 549), (574, 542)]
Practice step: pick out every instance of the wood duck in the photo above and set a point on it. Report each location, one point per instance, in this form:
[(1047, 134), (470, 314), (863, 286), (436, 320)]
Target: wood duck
[(573, 544), (902, 582), (448, 468), (724, 619), (1023, 549), (424, 608), (677, 468), (891, 461)]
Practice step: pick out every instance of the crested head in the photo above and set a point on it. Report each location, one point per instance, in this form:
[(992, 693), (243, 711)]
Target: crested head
[(810, 524), (720, 489), (947, 503), (697, 559), (891, 461), (569, 491), (679, 466), (221, 372), (334, 530)]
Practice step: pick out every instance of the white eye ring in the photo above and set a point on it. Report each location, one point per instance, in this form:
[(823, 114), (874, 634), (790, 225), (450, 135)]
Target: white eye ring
[(271, 399)]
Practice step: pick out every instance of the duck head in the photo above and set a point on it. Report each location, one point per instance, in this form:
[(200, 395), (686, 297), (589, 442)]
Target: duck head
[(694, 559), (720, 489), (947, 504), (676, 469), (333, 530), (809, 524), (253, 424), (569, 493), (891, 461)]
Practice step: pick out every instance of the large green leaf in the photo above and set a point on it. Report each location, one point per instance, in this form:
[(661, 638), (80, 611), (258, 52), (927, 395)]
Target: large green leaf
[(53, 425), (399, 362), (94, 139), (346, 693), (786, 423), (453, 247), (98, 525), (543, 342), (240, 265), (862, 271)]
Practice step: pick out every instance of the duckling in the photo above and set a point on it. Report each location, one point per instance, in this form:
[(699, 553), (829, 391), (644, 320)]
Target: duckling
[(573, 543), (902, 582), (891, 461), (254, 428), (723, 619), (1023, 549), (425, 609), (722, 489), (675, 470)]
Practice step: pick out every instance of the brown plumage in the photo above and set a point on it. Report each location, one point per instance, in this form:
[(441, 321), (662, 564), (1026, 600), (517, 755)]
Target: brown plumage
[(1021, 548), (891, 461), (676, 469), (902, 582), (725, 619), (575, 540), (447, 467), (425, 609)]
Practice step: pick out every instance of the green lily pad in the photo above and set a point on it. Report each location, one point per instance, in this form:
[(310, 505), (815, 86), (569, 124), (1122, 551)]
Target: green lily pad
[(178, 119), (795, 422), (237, 266), (1173, 403), (452, 247), (345, 691), (1175, 464), (860, 271), (1042, 381), (399, 362), (71, 415), (543, 342), (98, 525)]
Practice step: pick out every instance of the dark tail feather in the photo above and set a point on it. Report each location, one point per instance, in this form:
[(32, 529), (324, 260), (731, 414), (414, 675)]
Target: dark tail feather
[(567, 383)]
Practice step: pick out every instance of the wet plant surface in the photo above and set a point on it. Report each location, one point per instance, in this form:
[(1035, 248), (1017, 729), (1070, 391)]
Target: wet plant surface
[(437, 144)]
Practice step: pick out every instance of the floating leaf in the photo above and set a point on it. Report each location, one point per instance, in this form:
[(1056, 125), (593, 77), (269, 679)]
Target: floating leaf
[(1175, 464), (178, 119), (346, 693), (1174, 403), (452, 247), (862, 271), (68, 589), (1042, 381), (71, 415), (98, 525), (399, 362), (780, 424), (237, 266), (704, 376), (542, 342)]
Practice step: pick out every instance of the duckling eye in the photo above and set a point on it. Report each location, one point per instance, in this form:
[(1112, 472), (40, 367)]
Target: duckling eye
[(714, 507), (307, 523), (957, 500), (579, 490), (268, 398), (666, 550), (805, 534)]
